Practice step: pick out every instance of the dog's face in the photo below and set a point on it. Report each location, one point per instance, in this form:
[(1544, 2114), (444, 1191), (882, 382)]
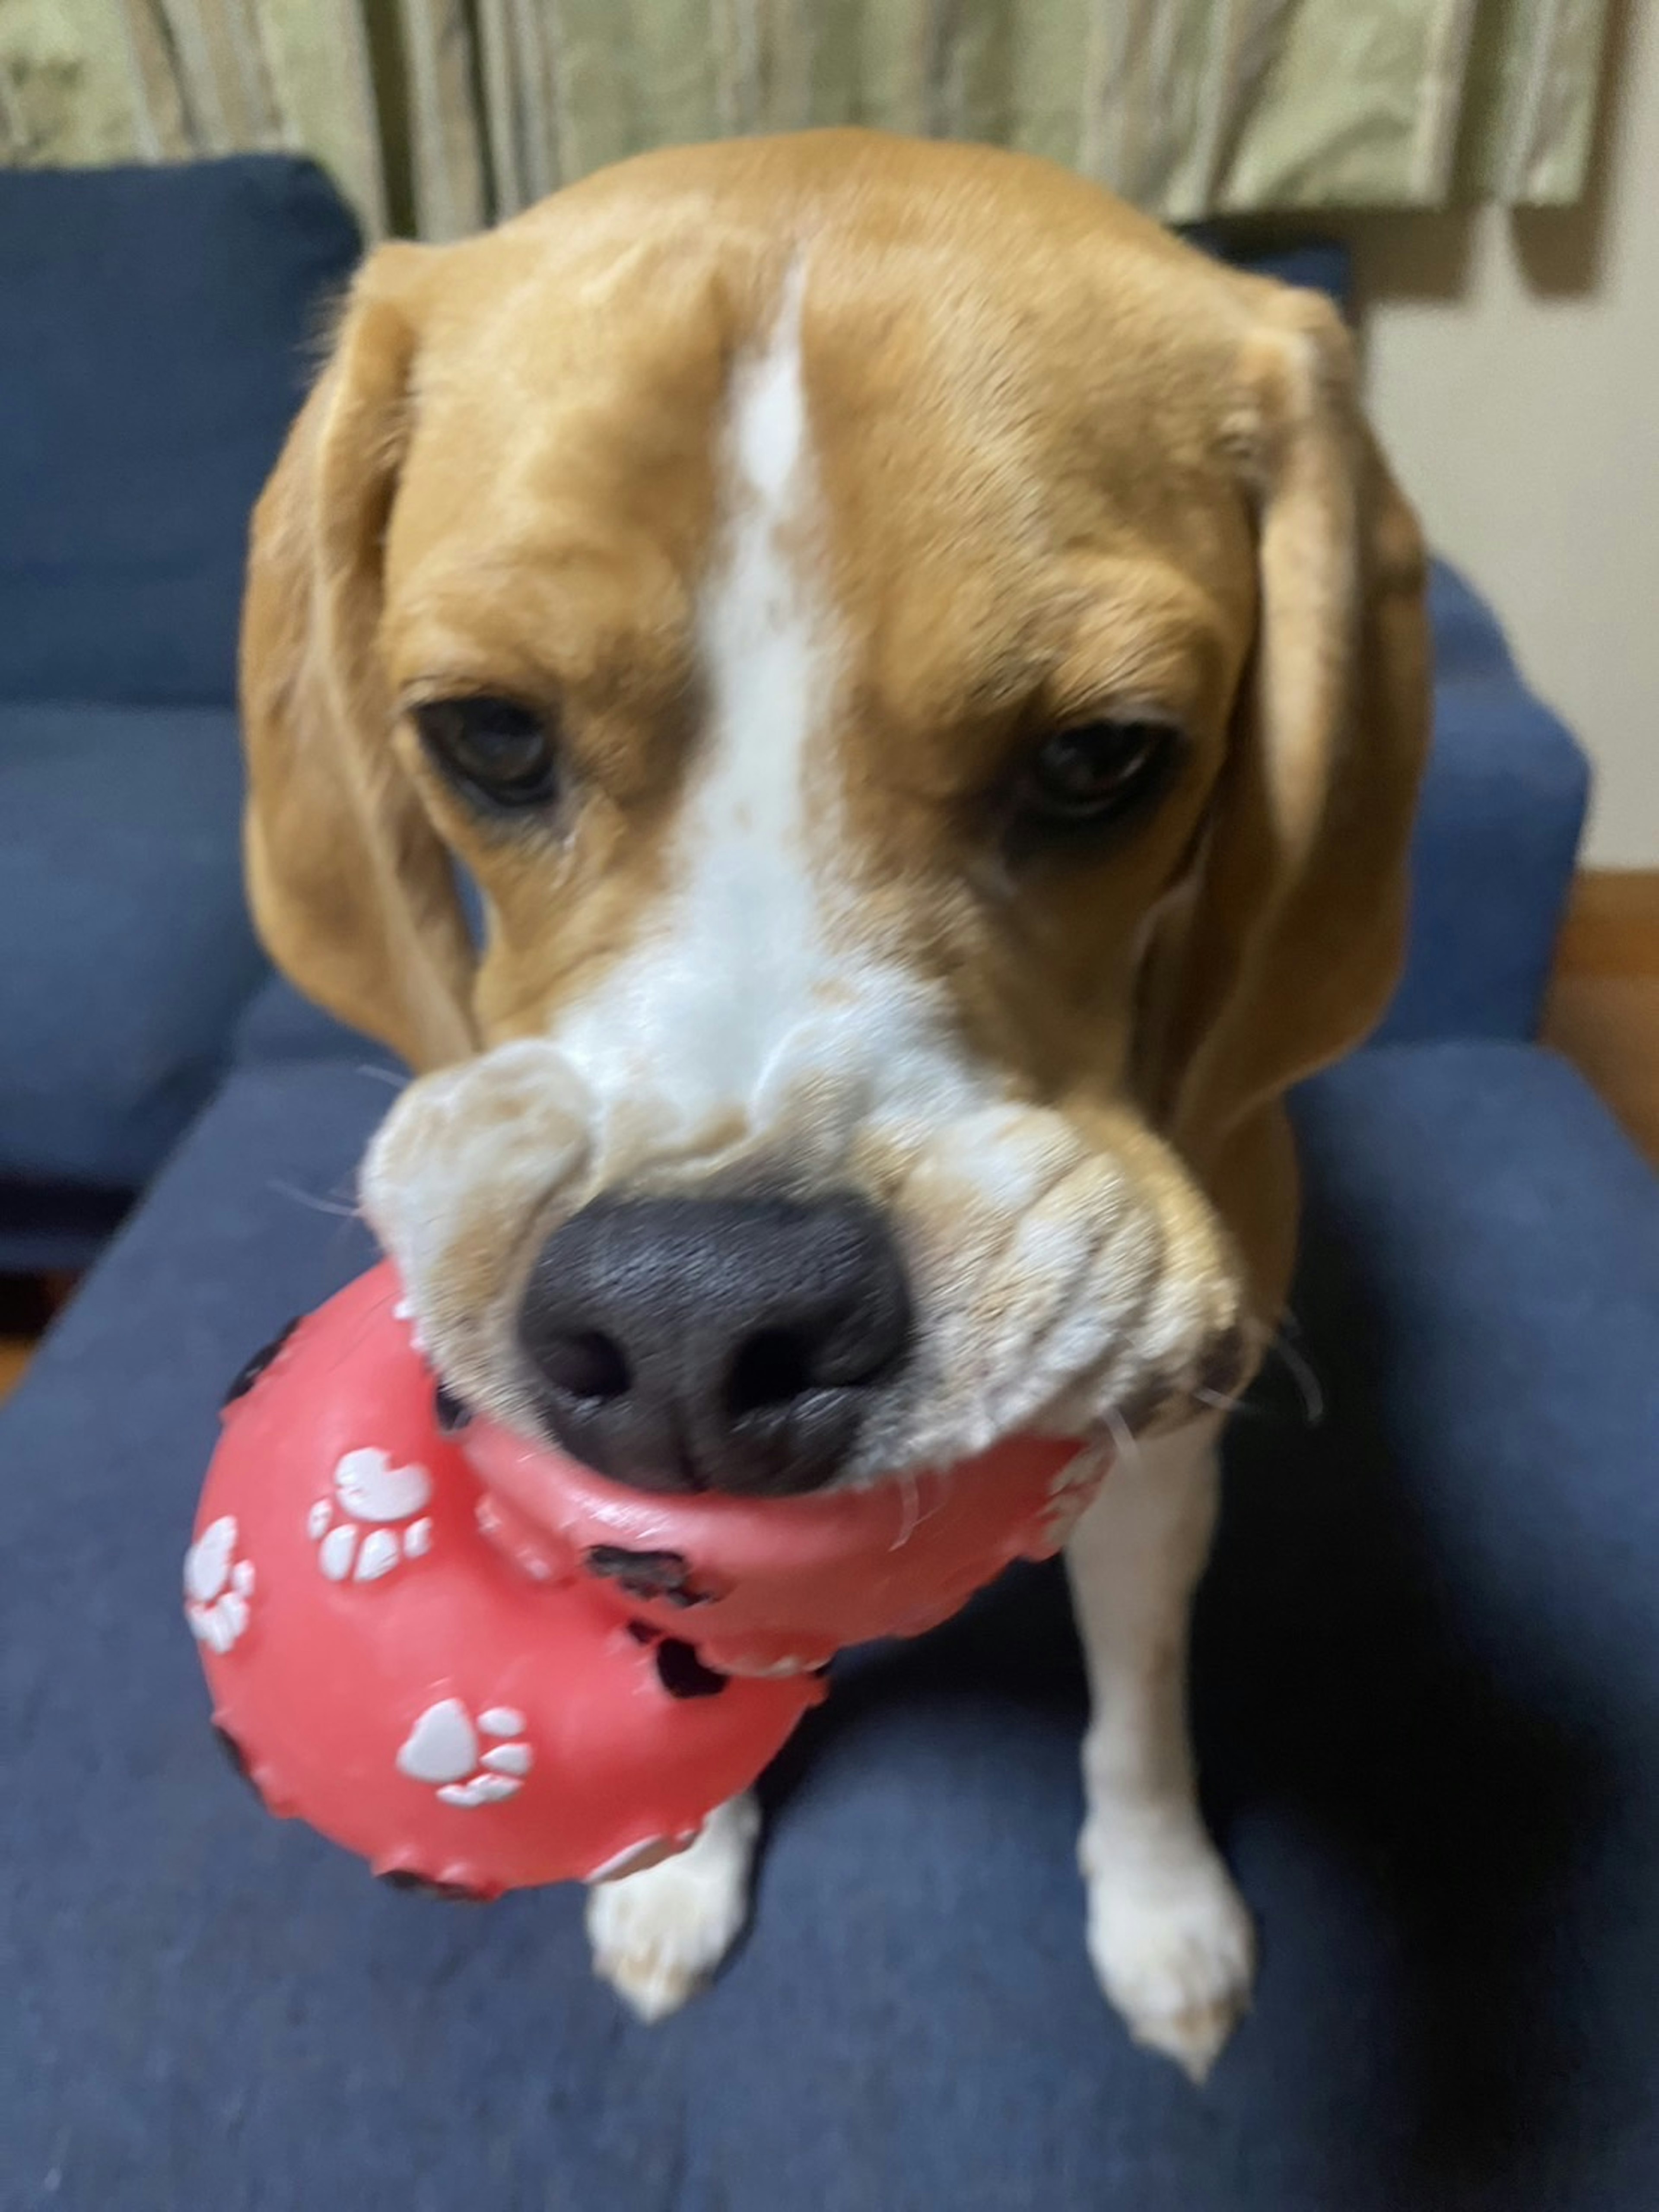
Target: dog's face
[(926, 673)]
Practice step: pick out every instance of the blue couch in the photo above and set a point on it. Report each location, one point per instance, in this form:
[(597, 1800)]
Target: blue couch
[(156, 338), (1426, 1692)]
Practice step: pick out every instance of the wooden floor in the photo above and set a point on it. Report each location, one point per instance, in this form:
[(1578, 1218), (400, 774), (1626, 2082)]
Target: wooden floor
[(26, 1306), (1603, 1015)]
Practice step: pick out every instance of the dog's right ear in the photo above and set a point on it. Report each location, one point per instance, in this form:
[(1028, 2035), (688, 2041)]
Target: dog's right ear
[(351, 889)]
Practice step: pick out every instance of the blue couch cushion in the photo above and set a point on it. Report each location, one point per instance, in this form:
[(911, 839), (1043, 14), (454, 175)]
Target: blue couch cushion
[(156, 341), (280, 1026), (128, 950), (1427, 1683)]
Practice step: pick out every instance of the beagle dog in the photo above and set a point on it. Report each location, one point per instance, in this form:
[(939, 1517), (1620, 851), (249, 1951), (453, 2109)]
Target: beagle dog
[(927, 674)]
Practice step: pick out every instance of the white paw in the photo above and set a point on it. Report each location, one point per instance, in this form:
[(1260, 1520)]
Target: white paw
[(442, 1748), (1171, 1941), (218, 1586), (368, 1489), (659, 1936)]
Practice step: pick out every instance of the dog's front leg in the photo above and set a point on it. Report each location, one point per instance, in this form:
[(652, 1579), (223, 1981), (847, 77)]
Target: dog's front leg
[(1170, 1938), (659, 1935)]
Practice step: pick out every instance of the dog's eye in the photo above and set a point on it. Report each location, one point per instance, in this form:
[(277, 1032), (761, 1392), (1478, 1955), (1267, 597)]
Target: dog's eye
[(498, 748), (1094, 773)]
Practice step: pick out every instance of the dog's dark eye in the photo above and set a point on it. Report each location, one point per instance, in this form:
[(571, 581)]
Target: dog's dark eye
[(498, 748), (1095, 773)]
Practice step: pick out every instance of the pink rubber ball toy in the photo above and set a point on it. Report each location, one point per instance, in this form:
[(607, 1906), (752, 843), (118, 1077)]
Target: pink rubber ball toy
[(483, 1668)]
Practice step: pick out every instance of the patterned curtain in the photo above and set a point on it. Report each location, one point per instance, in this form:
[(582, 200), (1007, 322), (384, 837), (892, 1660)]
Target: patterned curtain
[(436, 116)]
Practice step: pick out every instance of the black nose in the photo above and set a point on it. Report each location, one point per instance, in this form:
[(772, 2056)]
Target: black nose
[(710, 1343)]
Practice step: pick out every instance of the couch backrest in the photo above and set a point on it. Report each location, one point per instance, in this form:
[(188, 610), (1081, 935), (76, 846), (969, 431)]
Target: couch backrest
[(157, 326)]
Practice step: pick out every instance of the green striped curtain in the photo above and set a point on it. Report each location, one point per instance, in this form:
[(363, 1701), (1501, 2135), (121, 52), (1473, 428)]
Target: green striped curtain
[(436, 116)]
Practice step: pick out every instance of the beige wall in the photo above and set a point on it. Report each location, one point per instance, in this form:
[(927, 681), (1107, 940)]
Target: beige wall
[(1513, 369)]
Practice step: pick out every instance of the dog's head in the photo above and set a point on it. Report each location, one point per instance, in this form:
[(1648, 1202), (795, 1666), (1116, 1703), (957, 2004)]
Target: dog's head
[(925, 673)]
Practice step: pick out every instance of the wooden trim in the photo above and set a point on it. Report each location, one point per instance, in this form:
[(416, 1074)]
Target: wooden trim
[(1612, 927), (14, 1356), (1603, 1011)]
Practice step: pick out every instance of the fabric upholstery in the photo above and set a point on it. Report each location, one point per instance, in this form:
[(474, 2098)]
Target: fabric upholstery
[(279, 1026), (130, 949), (159, 330), (1497, 838), (1427, 1684), (46, 1224), (1317, 265)]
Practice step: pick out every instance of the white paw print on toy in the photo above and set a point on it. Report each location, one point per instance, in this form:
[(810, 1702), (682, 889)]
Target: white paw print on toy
[(443, 1748), (376, 1518), (404, 1311), (218, 1586)]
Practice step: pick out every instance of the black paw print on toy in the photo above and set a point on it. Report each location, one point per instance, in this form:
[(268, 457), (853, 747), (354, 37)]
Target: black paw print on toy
[(655, 1577)]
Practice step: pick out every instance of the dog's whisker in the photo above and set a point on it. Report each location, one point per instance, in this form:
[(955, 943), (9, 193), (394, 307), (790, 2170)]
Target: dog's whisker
[(910, 1496), (347, 1351), (378, 1074), (1241, 1409), (1302, 1374), (1124, 1439), (336, 1209), (1222, 1403), (1296, 1362)]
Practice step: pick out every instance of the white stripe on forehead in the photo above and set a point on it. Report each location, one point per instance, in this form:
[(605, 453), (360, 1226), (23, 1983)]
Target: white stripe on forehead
[(728, 958), (739, 1011), (768, 412), (762, 630)]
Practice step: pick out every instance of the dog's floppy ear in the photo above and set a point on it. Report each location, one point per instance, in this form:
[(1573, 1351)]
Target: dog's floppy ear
[(1295, 933), (351, 889)]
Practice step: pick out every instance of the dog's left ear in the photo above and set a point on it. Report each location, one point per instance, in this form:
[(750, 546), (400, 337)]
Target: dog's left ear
[(350, 885), (1295, 931)]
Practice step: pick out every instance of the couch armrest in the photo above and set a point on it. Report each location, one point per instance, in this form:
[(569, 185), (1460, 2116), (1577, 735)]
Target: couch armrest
[(1497, 839)]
